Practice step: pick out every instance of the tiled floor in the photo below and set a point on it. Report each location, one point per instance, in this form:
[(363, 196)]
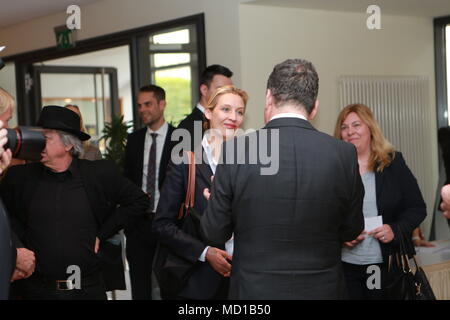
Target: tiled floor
[(126, 294)]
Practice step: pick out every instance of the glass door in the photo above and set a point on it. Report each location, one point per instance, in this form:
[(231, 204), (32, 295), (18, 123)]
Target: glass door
[(93, 89)]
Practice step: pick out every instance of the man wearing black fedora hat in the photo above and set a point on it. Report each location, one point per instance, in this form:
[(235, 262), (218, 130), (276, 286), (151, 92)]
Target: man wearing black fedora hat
[(63, 208)]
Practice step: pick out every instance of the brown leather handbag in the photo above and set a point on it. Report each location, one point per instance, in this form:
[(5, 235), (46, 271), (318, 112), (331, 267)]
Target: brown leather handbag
[(172, 270)]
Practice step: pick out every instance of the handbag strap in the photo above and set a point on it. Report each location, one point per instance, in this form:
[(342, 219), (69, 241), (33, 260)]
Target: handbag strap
[(189, 199), (190, 195), (404, 253)]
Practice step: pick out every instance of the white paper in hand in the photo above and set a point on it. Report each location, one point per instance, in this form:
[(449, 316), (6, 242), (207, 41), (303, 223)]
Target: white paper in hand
[(372, 223)]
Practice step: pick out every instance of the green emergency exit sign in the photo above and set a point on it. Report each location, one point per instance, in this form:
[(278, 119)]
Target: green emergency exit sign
[(65, 38)]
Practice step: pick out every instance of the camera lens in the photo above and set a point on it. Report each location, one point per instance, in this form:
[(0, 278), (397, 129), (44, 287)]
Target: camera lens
[(13, 136), (26, 143)]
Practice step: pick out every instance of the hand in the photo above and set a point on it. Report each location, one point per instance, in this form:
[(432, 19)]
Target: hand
[(353, 243), (5, 155), (206, 192), (384, 233), (218, 260), (18, 275), (97, 245), (25, 263), (423, 243), (445, 204)]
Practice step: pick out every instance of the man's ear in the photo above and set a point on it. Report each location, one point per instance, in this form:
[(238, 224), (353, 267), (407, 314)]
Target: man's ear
[(162, 105), (313, 112), (68, 148), (269, 106), (204, 90)]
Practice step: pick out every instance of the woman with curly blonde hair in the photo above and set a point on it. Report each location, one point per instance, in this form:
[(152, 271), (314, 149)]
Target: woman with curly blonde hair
[(391, 191)]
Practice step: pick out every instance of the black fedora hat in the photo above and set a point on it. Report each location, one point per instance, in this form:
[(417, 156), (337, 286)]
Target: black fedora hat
[(63, 119)]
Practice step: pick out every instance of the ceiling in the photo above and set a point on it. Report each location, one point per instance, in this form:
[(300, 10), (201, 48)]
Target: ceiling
[(420, 8), (16, 11)]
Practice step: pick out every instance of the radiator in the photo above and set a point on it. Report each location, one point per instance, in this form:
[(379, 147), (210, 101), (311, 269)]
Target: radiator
[(401, 106)]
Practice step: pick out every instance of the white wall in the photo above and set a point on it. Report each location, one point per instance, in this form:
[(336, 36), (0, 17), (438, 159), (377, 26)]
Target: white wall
[(109, 16), (338, 43)]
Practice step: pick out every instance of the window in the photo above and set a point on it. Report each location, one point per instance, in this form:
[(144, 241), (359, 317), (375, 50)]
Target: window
[(174, 67)]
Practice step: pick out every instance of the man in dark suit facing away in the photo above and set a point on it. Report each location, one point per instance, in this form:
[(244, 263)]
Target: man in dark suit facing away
[(213, 77), (290, 216), (147, 155)]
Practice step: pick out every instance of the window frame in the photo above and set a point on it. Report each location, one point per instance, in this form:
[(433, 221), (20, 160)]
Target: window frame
[(136, 39), (441, 70)]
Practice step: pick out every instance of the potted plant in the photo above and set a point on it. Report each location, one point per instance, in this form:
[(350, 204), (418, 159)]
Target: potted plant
[(115, 135)]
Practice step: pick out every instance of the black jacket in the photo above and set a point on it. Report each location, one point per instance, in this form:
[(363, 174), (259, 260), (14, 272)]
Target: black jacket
[(399, 201), (204, 282), (134, 156), (188, 123), (113, 199), (289, 226)]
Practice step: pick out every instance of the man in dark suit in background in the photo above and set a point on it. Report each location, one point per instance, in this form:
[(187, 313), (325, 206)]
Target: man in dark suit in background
[(212, 77), (289, 223), (147, 155)]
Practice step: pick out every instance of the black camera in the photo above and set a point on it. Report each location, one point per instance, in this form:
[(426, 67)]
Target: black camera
[(26, 143)]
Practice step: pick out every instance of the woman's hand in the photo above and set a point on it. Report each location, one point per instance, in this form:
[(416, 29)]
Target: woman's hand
[(97, 245), (353, 243), (218, 260), (423, 243), (418, 239), (206, 192), (384, 233)]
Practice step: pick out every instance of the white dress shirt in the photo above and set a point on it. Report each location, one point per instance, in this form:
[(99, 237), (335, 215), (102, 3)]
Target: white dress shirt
[(200, 107), (288, 115), (160, 139), (229, 245)]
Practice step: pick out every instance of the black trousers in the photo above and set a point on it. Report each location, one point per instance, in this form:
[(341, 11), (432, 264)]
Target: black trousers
[(140, 249), (39, 288), (221, 294), (357, 276)]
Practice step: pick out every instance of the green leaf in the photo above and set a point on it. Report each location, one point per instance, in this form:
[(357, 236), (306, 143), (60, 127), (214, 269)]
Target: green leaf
[(115, 135)]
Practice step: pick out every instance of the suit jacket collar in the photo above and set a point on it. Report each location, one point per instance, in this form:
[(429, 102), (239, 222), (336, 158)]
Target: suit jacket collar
[(140, 137), (289, 122), (202, 165), (165, 157), (380, 176), (197, 114)]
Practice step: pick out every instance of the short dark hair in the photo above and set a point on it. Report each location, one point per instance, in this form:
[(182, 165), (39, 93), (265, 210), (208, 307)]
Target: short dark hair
[(294, 81), (215, 69), (159, 92)]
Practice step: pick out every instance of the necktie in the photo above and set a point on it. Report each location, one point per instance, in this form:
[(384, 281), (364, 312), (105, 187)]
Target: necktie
[(151, 172)]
